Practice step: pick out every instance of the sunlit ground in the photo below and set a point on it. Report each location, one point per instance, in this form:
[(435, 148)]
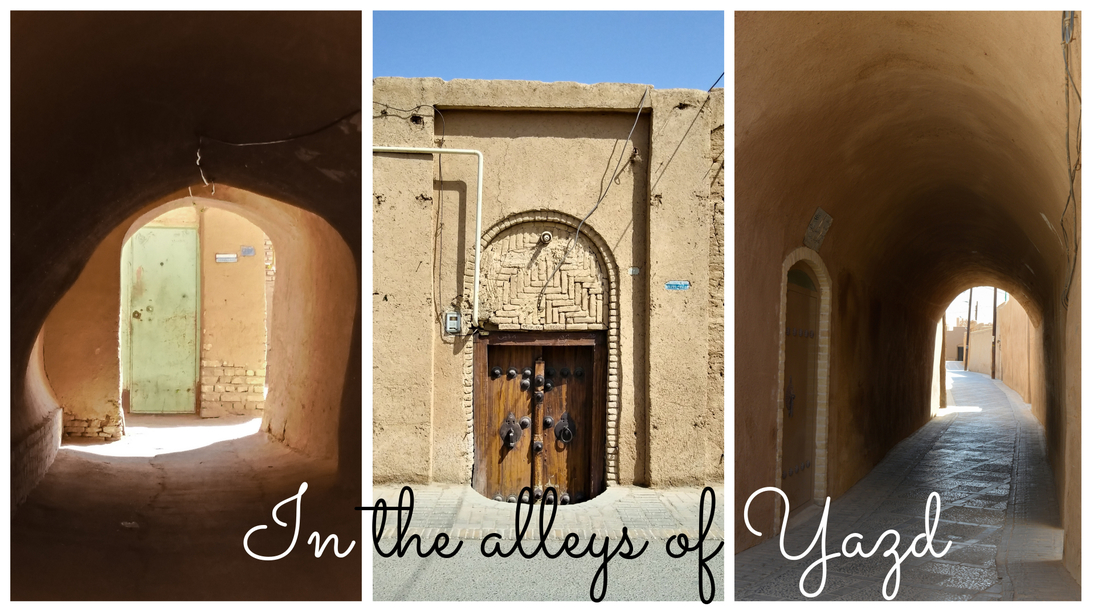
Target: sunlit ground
[(954, 370), (953, 409), (151, 435)]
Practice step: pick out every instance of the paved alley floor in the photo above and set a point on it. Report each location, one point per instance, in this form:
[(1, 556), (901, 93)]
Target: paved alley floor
[(649, 515), (986, 459)]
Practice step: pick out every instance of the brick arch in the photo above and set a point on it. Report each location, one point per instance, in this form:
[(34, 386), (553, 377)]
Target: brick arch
[(813, 261), (590, 242)]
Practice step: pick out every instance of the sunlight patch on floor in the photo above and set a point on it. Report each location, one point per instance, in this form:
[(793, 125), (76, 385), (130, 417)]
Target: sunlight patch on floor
[(954, 409), (145, 437)]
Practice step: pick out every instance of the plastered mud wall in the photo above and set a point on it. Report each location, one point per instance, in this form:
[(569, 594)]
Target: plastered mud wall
[(94, 152), (980, 349), (955, 336), (550, 151), (317, 273), (81, 345), (1014, 343), (934, 140), (233, 316), (715, 453), (34, 450)]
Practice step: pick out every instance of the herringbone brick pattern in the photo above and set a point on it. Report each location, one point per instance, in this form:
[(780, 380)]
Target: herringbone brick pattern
[(515, 268)]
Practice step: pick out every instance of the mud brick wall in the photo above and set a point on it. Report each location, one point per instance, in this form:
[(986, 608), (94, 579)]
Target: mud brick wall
[(230, 389), (108, 428)]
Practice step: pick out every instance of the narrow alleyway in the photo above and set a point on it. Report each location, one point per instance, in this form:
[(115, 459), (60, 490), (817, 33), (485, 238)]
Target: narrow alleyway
[(985, 457)]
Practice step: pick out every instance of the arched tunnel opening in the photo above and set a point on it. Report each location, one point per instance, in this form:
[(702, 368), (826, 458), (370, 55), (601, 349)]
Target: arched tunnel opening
[(148, 485), (111, 134), (915, 156)]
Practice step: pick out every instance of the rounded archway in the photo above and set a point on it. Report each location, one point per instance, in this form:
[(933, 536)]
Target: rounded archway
[(315, 301), (548, 299), (804, 352)]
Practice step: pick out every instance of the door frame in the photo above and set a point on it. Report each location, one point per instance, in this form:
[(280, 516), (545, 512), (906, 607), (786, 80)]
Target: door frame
[(813, 261), (596, 339), (807, 387)]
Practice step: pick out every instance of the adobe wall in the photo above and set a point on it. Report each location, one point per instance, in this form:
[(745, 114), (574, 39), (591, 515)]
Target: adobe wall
[(980, 350), (35, 450), (976, 175), (312, 328), (1069, 429), (549, 151), (1070, 488), (84, 323), (313, 340), (80, 340), (233, 316), (716, 420), (1015, 342), (93, 151), (938, 379), (955, 336)]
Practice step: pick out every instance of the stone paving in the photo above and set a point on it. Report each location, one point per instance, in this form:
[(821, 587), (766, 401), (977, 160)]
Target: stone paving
[(985, 458), (461, 512)]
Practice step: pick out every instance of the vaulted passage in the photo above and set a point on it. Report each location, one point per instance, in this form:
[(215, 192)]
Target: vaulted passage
[(251, 121), (914, 156)]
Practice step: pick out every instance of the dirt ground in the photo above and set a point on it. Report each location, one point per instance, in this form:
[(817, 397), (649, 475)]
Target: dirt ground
[(171, 527)]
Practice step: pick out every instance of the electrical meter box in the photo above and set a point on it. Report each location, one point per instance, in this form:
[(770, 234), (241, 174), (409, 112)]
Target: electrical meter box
[(451, 322)]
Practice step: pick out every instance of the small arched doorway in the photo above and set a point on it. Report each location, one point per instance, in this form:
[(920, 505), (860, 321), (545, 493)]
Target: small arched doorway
[(800, 385), (193, 332)]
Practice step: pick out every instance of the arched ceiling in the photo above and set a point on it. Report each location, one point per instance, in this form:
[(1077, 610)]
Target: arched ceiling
[(935, 140), (106, 109)]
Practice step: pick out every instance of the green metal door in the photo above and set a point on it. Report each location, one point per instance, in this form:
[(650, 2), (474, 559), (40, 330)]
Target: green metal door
[(163, 300)]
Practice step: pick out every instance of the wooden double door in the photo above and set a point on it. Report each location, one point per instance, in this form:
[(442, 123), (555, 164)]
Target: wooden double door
[(539, 415)]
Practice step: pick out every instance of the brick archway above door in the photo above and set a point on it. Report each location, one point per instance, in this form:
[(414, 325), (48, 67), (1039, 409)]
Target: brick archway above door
[(586, 298), (521, 260)]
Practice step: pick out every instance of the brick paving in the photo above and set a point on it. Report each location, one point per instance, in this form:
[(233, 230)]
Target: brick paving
[(461, 512), (986, 460)]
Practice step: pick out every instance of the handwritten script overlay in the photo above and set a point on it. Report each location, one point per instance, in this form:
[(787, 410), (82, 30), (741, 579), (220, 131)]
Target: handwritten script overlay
[(491, 544), (929, 527)]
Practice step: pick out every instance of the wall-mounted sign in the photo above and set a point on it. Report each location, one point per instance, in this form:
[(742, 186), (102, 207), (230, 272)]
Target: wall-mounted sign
[(226, 258), (247, 250), (818, 227), (677, 285)]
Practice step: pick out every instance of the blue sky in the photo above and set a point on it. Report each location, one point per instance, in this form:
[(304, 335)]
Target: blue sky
[(683, 49)]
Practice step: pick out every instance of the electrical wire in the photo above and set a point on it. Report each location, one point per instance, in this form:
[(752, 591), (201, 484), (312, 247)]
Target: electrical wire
[(711, 88), (202, 137), (286, 139), (437, 235), (1067, 29), (438, 238), (577, 233), (542, 291), (410, 110)]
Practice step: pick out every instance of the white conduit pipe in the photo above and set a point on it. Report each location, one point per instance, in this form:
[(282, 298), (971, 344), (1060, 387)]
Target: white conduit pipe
[(478, 206)]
